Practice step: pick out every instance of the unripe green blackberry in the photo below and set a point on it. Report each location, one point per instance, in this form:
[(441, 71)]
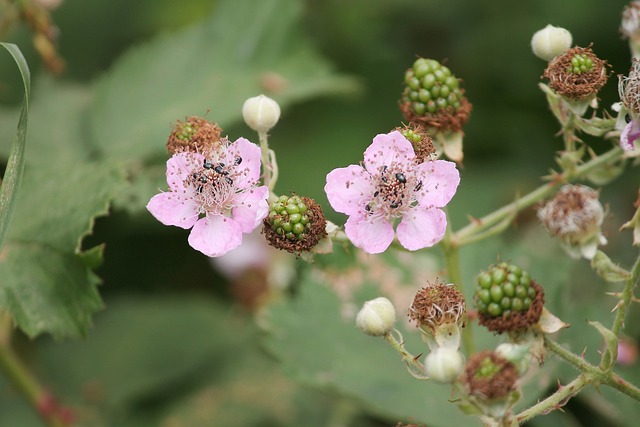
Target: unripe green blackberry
[(507, 298), (489, 377), (577, 75), (294, 223), (432, 96), (580, 64)]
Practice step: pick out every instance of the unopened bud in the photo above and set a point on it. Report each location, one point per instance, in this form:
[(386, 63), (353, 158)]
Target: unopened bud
[(261, 113), (444, 364), (550, 42), (376, 317)]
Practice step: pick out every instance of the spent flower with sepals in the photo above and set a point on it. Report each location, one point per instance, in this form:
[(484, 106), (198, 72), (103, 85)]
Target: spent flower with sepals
[(575, 217), (392, 185), (214, 193), (439, 311)]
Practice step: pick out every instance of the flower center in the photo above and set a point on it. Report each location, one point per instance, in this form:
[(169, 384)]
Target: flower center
[(394, 192), (214, 183)]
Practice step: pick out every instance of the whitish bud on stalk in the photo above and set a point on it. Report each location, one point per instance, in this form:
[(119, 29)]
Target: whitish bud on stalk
[(550, 42)]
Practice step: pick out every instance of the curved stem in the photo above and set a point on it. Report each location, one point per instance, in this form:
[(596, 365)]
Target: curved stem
[(627, 296), (556, 400), (465, 234)]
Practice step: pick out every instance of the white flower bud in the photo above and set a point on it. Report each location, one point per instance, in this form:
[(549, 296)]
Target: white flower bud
[(517, 354), (377, 317), (444, 364), (550, 42), (261, 113)]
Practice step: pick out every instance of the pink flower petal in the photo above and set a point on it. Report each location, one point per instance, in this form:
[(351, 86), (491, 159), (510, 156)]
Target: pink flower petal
[(440, 181), (629, 135), (421, 228), (170, 209), (249, 153), (373, 237), (387, 149), (348, 189), (179, 167), (251, 208), (215, 235)]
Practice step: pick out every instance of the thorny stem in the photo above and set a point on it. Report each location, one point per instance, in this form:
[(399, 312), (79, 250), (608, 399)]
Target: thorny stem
[(467, 233), (556, 400), (627, 296), (22, 379), (408, 358)]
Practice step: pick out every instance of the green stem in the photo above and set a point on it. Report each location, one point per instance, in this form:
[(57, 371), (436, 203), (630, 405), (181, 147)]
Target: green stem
[(19, 375), (408, 358), (556, 400), (452, 260), (465, 234), (265, 159), (597, 375), (627, 296)]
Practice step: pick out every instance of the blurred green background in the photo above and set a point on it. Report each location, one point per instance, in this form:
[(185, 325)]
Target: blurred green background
[(175, 346)]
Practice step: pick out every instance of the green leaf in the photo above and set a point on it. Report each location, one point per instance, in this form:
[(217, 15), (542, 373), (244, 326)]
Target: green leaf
[(320, 346), (47, 285), (15, 166), (244, 49)]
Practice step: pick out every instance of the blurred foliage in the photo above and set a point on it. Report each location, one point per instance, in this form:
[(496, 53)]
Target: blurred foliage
[(174, 347)]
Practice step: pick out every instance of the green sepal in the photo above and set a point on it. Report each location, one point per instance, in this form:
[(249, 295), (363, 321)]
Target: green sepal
[(607, 269)]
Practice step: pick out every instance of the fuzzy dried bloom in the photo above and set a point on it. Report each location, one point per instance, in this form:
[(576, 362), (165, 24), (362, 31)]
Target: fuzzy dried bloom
[(575, 216), (214, 193), (437, 304), (195, 135), (629, 92), (489, 376), (576, 86), (389, 185), (630, 24)]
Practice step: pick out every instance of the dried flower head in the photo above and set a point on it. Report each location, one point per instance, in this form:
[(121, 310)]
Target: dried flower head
[(432, 97), (294, 224), (630, 24), (629, 89), (508, 299), (578, 74), (489, 376), (436, 304), (421, 141), (575, 216), (195, 135)]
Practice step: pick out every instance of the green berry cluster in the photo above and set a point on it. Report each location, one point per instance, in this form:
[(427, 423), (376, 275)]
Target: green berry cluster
[(503, 289), (486, 368), (580, 64), (185, 131), (430, 87), (288, 217), (411, 136)]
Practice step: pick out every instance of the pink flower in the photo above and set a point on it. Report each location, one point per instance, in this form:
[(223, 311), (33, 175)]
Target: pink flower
[(215, 194), (391, 184), (629, 135)]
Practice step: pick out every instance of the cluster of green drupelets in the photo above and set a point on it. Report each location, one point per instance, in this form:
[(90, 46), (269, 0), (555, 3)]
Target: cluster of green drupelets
[(502, 289), (288, 217), (186, 131), (413, 137), (580, 64), (487, 369), (430, 87)]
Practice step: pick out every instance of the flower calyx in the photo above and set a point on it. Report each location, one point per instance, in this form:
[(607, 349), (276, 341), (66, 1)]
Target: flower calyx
[(294, 224), (507, 299)]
